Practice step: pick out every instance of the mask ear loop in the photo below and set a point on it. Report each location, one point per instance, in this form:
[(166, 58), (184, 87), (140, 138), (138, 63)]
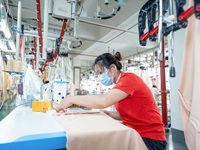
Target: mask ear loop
[(112, 72)]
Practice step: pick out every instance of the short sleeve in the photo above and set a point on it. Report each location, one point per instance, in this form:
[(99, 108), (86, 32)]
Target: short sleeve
[(128, 84)]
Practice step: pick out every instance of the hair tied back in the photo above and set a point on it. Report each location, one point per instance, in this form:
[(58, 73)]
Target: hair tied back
[(118, 56)]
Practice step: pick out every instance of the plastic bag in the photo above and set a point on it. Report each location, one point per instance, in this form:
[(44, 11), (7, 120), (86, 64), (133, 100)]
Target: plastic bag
[(32, 83)]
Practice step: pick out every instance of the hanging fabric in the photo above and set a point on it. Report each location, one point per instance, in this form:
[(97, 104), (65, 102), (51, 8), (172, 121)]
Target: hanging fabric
[(189, 97), (63, 69)]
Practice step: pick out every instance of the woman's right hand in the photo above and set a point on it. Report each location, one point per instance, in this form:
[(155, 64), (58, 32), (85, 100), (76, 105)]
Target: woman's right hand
[(63, 105)]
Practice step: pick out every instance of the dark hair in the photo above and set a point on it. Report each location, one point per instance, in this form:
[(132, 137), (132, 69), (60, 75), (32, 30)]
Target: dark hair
[(107, 59), (154, 86)]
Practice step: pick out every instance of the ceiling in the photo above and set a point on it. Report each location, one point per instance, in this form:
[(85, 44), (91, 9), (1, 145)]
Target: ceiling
[(95, 39)]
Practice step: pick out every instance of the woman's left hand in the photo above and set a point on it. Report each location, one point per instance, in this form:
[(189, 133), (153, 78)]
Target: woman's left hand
[(63, 105)]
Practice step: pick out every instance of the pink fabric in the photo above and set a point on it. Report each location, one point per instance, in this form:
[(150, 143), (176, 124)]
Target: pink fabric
[(189, 94), (98, 132)]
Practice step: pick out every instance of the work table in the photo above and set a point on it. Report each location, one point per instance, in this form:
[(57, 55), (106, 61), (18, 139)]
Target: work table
[(24, 129)]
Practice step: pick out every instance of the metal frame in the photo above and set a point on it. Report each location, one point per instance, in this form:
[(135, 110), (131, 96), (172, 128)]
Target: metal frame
[(75, 80)]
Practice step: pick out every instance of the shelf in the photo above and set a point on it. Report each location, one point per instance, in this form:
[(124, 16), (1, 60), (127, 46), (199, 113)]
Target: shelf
[(10, 72)]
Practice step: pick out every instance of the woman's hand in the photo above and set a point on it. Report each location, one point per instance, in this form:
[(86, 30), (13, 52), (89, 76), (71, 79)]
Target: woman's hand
[(113, 114), (107, 112), (63, 105)]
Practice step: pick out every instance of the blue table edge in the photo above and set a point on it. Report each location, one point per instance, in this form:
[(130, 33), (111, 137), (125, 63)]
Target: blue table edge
[(47, 141)]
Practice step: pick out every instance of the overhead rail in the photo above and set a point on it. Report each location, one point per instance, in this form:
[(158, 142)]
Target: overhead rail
[(82, 54), (106, 26)]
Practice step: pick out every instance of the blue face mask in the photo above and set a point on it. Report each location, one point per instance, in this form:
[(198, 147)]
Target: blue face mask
[(105, 79)]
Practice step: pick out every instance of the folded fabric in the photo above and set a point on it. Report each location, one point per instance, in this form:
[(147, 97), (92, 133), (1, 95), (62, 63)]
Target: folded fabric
[(98, 131)]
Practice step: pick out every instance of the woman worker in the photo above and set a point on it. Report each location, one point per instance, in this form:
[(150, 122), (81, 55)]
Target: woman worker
[(133, 100)]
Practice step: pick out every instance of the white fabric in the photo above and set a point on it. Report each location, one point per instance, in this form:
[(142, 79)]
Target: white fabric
[(51, 74), (189, 95), (63, 69)]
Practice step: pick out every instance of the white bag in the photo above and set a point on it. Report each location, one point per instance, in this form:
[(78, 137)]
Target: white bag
[(32, 83)]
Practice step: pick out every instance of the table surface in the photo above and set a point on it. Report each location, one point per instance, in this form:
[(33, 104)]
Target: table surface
[(25, 128)]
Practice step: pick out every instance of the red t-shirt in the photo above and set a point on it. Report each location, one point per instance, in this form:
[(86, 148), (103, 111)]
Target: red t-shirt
[(139, 110)]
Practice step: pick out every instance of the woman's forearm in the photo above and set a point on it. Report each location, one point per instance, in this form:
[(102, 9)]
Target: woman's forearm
[(92, 101), (89, 101)]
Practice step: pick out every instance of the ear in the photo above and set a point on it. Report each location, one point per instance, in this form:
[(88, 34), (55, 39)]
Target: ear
[(113, 67)]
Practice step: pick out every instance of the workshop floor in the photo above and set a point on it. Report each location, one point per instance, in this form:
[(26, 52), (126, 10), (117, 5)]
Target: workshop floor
[(175, 140)]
